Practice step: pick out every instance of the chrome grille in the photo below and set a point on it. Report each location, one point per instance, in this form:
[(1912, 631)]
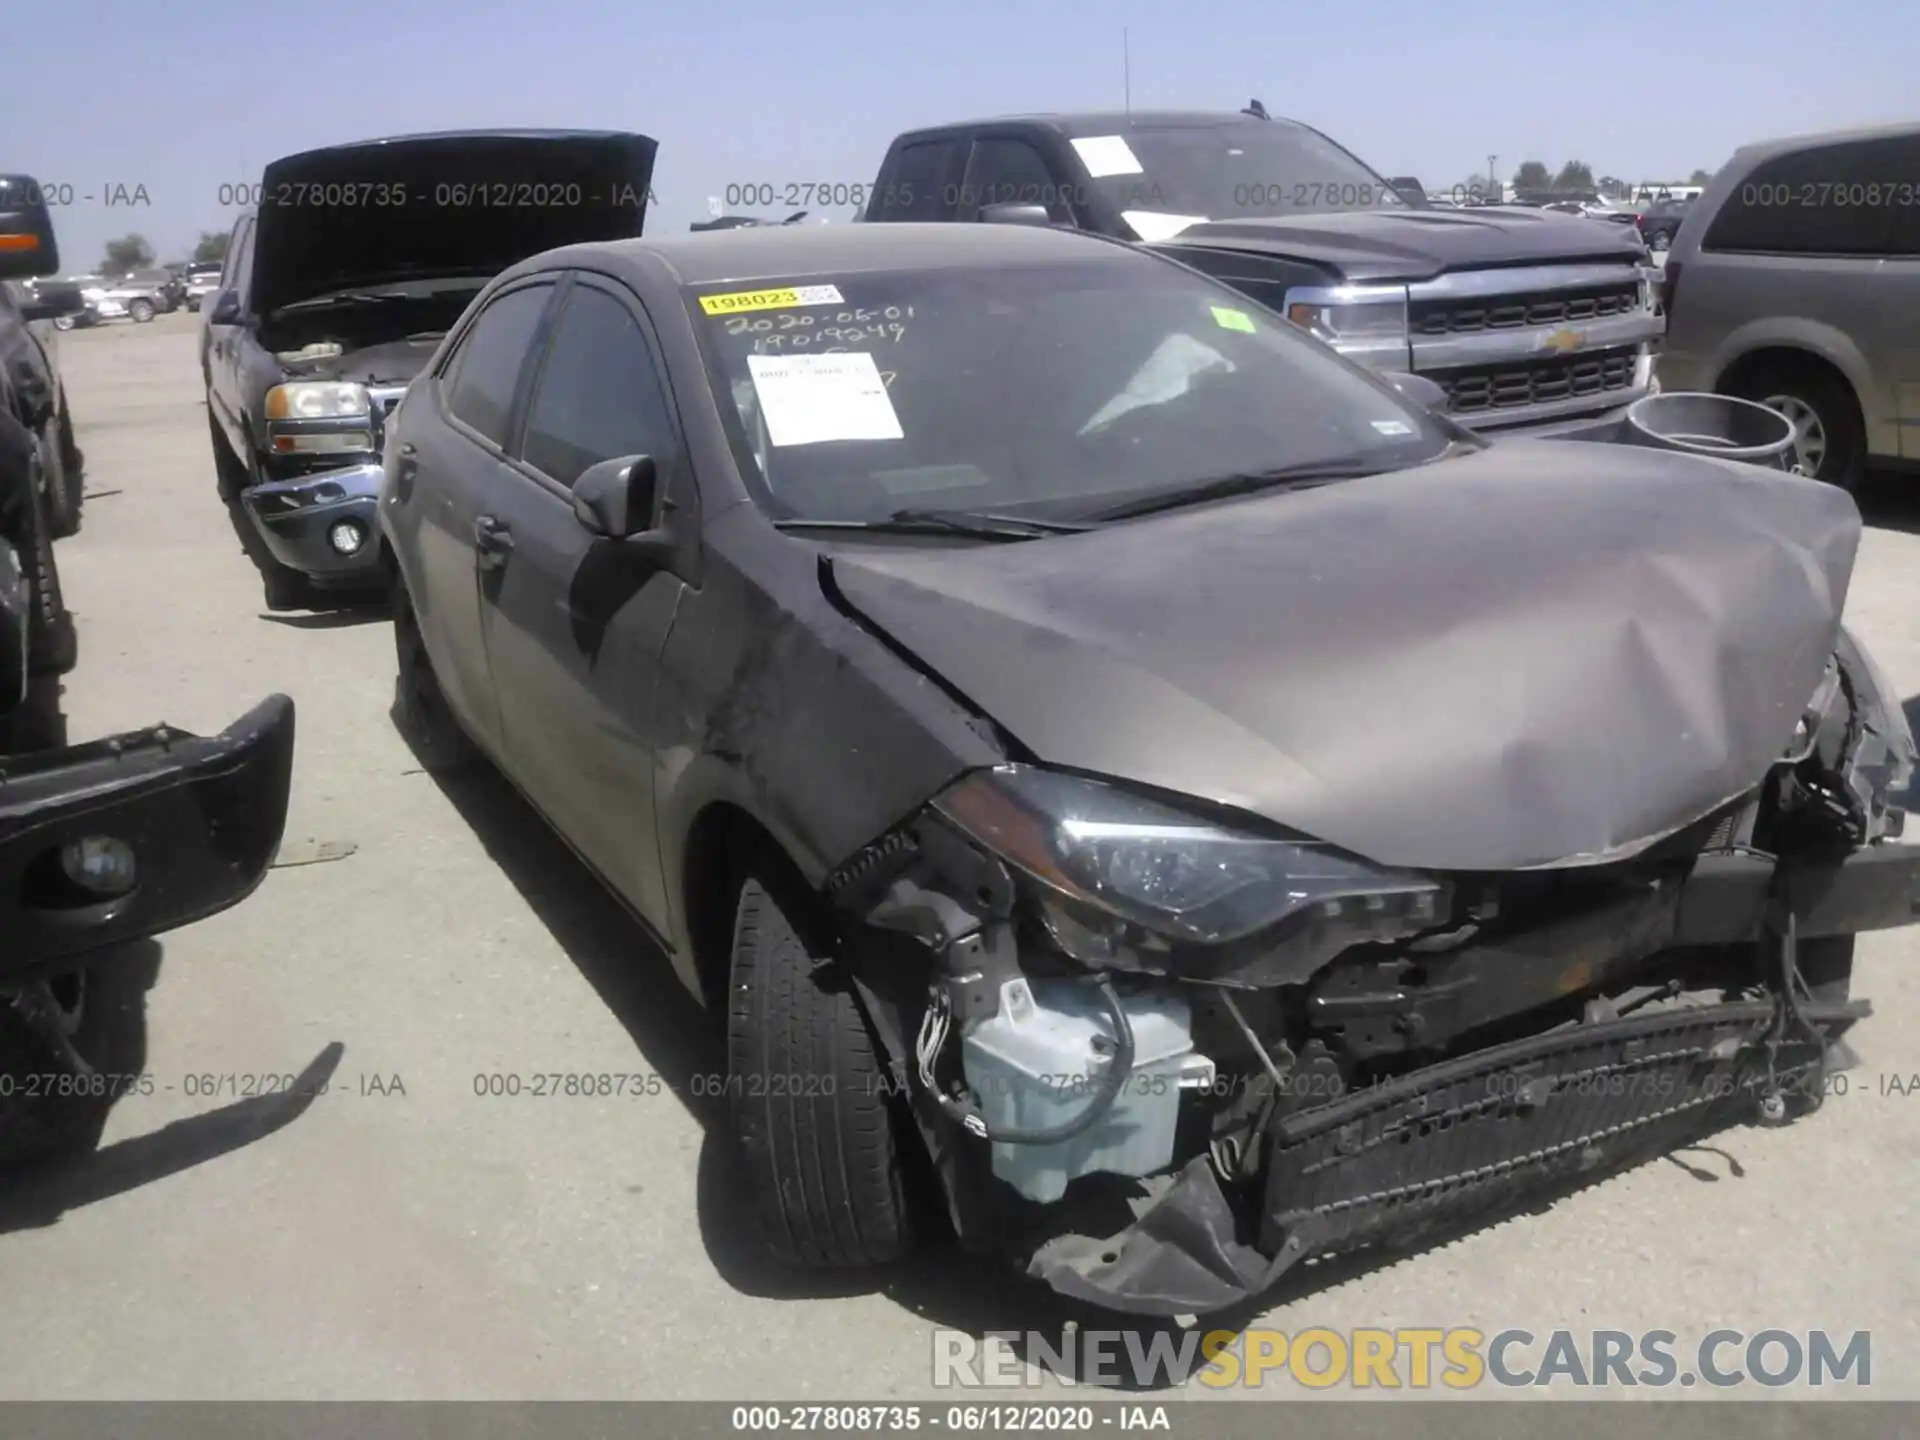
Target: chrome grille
[(1480, 313), (1479, 388)]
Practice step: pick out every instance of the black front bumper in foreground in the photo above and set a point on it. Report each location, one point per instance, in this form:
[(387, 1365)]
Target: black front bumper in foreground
[(202, 816), (1439, 1146), (296, 517)]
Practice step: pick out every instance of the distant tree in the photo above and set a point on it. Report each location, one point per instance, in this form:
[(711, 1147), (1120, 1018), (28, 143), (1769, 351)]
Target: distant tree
[(212, 245), (129, 252), (1699, 177), (1574, 175), (1532, 175), (1612, 187)]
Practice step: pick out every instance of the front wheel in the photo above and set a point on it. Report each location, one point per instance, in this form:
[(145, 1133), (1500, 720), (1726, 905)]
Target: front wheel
[(63, 322), (1659, 241), (53, 644), (420, 710), (810, 1103), (62, 479), (141, 311)]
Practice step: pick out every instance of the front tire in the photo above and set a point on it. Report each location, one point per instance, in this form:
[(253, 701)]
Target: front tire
[(53, 644), (141, 311), (420, 710), (63, 483), (809, 1099)]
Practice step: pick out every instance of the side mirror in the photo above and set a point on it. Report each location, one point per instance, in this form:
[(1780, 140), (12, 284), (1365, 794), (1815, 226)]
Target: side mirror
[(1409, 189), (52, 299), (27, 248), (1015, 215), (616, 498), (226, 308), (1428, 394)]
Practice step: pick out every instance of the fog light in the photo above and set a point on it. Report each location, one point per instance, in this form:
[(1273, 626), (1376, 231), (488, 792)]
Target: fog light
[(100, 865), (346, 537)]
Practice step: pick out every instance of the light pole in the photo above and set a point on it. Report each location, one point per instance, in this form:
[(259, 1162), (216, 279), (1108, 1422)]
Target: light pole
[(1495, 191)]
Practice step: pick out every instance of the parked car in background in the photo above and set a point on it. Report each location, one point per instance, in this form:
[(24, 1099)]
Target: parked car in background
[(832, 591), (97, 303), (325, 313), (1660, 221), (1795, 281), (143, 294), (1527, 320), (203, 278)]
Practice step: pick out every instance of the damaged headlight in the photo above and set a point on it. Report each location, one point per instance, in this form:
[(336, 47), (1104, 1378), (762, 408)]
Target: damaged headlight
[(1102, 854)]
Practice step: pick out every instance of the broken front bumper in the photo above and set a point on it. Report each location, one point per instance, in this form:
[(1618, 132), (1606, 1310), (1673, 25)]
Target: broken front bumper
[(298, 518), (201, 819), (1455, 1139)]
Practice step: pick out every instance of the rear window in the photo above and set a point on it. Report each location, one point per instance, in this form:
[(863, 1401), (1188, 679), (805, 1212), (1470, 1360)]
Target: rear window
[(1839, 199)]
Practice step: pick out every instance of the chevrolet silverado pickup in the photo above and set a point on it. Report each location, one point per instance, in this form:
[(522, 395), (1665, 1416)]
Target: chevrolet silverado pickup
[(1528, 320)]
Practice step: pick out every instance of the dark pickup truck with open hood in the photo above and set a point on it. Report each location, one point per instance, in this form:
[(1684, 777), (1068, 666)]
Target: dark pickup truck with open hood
[(338, 290), (1528, 320)]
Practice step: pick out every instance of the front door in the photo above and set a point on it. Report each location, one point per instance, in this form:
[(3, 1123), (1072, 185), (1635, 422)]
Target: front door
[(449, 470), (575, 622)]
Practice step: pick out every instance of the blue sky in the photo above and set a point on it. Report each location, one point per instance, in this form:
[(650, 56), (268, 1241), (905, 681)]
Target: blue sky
[(184, 101)]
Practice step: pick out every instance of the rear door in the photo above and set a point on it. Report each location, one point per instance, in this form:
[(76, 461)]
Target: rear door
[(448, 471), (575, 622)]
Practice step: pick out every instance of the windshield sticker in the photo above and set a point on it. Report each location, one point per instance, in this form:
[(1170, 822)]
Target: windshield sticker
[(1393, 427), (734, 301), (1105, 155), (807, 399), (793, 331), (1228, 319), (1152, 225)]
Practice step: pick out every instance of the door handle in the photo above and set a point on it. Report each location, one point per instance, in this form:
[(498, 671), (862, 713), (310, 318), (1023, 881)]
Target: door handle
[(492, 542)]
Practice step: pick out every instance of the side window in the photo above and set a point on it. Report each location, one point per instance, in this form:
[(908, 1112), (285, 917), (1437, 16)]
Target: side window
[(239, 254), (1839, 199), (599, 395), (920, 184), (486, 372), (1012, 172)]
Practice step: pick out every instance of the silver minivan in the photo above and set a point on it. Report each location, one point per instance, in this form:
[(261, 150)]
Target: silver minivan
[(1795, 281)]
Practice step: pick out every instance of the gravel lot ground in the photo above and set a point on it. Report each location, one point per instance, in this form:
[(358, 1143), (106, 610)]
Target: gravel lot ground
[(435, 1244)]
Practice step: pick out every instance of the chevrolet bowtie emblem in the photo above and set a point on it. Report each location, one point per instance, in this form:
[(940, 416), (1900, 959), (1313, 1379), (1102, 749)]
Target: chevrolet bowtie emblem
[(1565, 342)]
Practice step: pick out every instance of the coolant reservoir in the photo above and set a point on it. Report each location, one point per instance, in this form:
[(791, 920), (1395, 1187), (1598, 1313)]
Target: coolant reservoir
[(1039, 1062)]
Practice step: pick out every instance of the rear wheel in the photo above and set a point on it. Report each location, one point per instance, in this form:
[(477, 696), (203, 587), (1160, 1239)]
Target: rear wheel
[(1829, 437), (141, 311), (420, 709), (809, 1099)]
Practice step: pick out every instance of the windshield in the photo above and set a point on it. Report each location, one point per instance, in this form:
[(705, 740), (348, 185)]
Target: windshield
[(1054, 390), (1230, 171)]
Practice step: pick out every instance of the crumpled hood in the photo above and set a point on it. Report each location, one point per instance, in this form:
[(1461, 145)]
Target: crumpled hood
[(1413, 245), (1546, 653)]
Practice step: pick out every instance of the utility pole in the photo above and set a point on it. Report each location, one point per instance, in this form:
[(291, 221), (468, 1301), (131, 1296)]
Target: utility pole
[(1495, 189)]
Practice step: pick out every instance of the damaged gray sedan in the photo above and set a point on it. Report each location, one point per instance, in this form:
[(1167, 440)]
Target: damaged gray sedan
[(1141, 791)]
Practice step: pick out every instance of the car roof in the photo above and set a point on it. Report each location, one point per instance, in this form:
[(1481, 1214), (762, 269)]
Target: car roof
[(1116, 122), (752, 254), (1787, 144)]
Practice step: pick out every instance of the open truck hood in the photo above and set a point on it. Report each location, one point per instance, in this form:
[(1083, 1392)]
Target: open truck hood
[(464, 202), (1412, 245), (1547, 653)]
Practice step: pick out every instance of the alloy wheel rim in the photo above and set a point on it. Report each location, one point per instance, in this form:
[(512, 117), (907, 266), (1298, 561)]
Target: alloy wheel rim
[(1809, 435)]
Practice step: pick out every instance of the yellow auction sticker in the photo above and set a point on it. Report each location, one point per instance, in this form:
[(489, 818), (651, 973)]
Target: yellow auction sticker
[(735, 301), (1228, 319)]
